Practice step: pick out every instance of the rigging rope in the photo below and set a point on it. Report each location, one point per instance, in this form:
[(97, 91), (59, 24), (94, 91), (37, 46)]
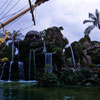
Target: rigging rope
[(26, 27), (18, 18), (15, 21), (4, 4), (14, 12), (6, 7), (11, 8)]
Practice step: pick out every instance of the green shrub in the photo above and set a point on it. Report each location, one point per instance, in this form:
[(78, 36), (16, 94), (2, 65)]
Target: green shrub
[(5, 52), (71, 78), (92, 65), (67, 77), (58, 51), (98, 73), (48, 79), (86, 73), (47, 66), (78, 76), (58, 57), (96, 58)]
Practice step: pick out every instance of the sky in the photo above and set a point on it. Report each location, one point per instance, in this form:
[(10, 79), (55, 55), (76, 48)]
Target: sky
[(69, 14)]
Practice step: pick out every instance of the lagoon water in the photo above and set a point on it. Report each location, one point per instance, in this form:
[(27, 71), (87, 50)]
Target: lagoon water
[(27, 91)]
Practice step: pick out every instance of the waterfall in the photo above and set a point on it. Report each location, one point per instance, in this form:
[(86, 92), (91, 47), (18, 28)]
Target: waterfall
[(73, 58), (21, 70), (10, 70), (2, 70), (48, 61), (34, 64), (44, 49), (11, 62), (12, 51), (30, 59), (30, 64), (18, 51)]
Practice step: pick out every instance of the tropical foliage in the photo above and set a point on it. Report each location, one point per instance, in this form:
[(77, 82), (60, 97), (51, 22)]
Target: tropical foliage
[(94, 19), (74, 77), (48, 79)]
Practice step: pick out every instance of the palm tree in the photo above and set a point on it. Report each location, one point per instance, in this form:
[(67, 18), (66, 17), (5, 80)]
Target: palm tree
[(17, 36), (94, 19)]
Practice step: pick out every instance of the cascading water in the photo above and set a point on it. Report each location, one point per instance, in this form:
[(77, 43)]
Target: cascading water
[(21, 70), (20, 66), (12, 51), (10, 70), (73, 58), (34, 64), (44, 49), (30, 54), (2, 70), (11, 62), (48, 61)]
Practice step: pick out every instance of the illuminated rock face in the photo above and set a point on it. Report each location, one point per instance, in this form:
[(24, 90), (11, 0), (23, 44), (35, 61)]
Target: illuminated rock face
[(33, 39)]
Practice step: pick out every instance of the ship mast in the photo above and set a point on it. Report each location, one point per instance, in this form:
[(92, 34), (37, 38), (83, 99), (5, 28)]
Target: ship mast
[(31, 11), (20, 14)]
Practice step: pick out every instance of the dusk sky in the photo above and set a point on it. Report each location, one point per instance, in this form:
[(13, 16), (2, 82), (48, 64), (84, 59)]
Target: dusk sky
[(67, 13)]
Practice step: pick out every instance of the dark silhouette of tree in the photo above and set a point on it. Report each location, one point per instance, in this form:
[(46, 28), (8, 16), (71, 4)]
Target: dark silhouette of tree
[(94, 19)]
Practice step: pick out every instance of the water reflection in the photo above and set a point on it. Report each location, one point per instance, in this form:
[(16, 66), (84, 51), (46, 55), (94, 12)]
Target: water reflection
[(1, 93), (9, 92), (27, 91), (69, 98), (5, 94)]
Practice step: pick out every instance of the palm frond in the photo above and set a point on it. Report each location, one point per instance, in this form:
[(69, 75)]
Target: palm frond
[(88, 29), (18, 36), (86, 21), (92, 16), (97, 14)]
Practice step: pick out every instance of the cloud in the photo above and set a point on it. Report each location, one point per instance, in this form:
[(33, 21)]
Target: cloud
[(67, 13)]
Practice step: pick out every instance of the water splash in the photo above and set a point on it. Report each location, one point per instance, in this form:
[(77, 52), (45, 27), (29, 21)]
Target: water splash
[(2, 70), (48, 61)]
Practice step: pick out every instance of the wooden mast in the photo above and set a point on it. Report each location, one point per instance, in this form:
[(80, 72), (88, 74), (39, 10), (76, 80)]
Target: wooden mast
[(18, 15), (31, 11)]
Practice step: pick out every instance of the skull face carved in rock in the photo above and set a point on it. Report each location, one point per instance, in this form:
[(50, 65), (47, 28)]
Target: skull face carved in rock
[(33, 39)]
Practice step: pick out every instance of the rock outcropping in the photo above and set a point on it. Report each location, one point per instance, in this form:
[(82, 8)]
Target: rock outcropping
[(54, 36), (86, 52)]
